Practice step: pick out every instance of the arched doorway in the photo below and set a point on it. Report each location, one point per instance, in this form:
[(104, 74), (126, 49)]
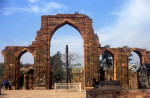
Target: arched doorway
[(40, 48), (66, 34), (106, 64), (26, 69), (134, 63)]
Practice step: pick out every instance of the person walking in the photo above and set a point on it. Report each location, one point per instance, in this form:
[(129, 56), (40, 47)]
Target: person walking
[(6, 84)]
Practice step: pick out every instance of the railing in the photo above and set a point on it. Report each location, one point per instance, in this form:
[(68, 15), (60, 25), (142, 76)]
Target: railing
[(67, 87)]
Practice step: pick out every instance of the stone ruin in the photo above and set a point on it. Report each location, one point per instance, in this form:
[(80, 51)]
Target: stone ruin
[(40, 49)]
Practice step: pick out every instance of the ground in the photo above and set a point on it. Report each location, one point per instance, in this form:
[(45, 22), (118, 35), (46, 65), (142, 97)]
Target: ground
[(40, 94)]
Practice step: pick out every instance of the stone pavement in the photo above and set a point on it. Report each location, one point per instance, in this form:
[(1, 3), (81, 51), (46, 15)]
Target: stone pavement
[(40, 94)]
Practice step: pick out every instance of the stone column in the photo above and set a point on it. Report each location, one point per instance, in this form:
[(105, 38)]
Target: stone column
[(24, 83), (114, 69)]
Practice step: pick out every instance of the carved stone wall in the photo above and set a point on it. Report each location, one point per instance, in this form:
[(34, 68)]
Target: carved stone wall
[(133, 81), (77, 75), (120, 56), (12, 55), (40, 49), (109, 74)]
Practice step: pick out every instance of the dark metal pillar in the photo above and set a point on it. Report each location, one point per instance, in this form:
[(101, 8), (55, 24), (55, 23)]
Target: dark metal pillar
[(66, 63)]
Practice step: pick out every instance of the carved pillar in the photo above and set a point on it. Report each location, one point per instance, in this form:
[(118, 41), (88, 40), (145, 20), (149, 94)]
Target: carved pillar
[(24, 83), (114, 69)]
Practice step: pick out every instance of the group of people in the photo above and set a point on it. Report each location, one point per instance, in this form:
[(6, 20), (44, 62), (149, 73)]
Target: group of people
[(8, 85)]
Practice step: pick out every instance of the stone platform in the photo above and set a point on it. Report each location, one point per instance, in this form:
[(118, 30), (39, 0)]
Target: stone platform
[(113, 89), (109, 85)]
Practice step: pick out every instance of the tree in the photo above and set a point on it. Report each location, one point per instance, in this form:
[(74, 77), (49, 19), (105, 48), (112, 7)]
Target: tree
[(73, 62), (106, 59), (1, 72), (21, 65), (132, 67), (58, 63), (57, 67)]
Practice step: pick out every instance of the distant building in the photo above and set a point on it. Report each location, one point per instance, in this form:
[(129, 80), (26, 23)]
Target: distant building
[(28, 80), (77, 75)]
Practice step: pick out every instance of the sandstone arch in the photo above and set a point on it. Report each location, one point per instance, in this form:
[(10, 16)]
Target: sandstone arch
[(41, 46), (40, 49), (113, 73)]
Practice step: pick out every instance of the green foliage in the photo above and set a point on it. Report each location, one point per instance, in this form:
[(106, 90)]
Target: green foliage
[(125, 46), (70, 74), (132, 68), (21, 79), (57, 68), (21, 65), (130, 57), (58, 77), (1, 71), (73, 62), (106, 59), (107, 46)]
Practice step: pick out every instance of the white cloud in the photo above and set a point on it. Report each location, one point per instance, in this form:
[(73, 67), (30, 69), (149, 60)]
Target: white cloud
[(32, 1), (131, 26), (53, 6), (35, 9), (48, 8), (59, 43), (10, 11), (75, 44)]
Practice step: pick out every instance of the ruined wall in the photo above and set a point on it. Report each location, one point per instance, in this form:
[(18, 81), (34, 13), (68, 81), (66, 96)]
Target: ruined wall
[(133, 81), (121, 63), (12, 55), (41, 45), (40, 49)]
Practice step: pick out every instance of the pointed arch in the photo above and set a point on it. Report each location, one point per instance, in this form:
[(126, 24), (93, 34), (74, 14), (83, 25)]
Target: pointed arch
[(138, 53), (133, 68), (23, 51), (69, 22), (74, 41), (108, 51), (109, 73)]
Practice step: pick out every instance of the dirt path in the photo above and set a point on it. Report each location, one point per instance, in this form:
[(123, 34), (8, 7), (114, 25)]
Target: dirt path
[(40, 94)]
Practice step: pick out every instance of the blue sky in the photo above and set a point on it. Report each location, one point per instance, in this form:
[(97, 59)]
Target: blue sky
[(116, 22)]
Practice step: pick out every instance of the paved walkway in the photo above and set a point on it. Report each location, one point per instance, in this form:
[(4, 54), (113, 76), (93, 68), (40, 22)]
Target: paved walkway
[(40, 94)]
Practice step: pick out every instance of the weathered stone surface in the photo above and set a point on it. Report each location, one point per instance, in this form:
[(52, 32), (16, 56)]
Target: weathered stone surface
[(118, 93), (40, 49)]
